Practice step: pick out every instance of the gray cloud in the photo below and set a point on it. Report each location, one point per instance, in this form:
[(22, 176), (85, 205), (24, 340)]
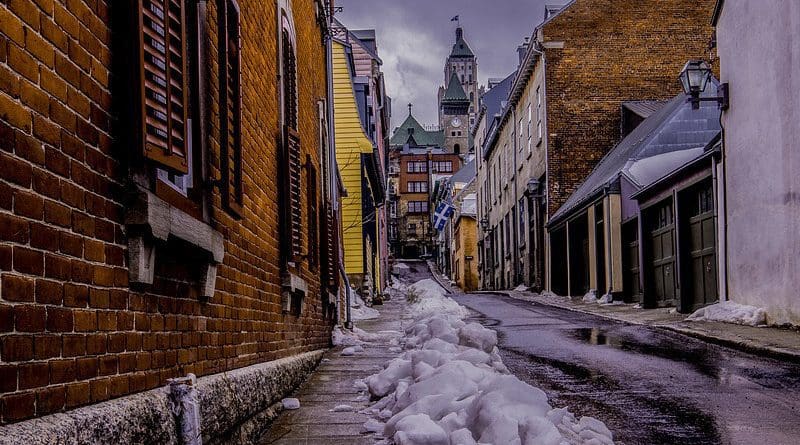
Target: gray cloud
[(415, 37)]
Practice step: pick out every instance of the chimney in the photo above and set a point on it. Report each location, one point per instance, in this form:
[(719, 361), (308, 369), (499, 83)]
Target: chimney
[(459, 33), (522, 50)]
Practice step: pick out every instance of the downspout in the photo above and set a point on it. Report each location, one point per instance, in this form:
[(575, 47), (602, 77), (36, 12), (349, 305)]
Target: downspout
[(515, 244), (543, 218), (722, 215), (607, 244)]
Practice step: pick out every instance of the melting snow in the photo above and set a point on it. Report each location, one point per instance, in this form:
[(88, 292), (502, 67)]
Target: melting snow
[(450, 386), (730, 312), (290, 403)]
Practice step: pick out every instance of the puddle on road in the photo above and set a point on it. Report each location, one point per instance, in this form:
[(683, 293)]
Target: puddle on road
[(701, 358)]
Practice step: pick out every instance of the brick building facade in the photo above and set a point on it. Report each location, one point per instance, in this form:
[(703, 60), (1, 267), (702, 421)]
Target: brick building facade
[(141, 233), (599, 53), (417, 170)]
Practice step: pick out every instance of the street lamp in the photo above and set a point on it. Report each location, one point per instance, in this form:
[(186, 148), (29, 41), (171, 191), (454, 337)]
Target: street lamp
[(694, 77), (532, 188)]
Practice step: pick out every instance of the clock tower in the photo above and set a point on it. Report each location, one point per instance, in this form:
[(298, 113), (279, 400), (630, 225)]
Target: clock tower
[(454, 112)]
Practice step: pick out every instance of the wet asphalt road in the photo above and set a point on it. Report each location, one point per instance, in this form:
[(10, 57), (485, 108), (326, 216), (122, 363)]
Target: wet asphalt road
[(649, 386)]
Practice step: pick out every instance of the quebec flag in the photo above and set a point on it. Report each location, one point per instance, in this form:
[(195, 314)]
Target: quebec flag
[(443, 212)]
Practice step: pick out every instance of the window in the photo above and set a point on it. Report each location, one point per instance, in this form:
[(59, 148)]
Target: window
[(393, 209), (539, 112), (417, 167), (530, 121), (412, 228), (230, 93), (418, 207), (291, 214), (520, 136), (445, 166), (522, 221), (417, 187)]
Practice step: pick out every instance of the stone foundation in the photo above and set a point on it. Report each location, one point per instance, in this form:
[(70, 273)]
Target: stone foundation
[(235, 407)]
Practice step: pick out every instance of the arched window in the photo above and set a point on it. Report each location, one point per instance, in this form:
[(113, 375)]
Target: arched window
[(288, 66)]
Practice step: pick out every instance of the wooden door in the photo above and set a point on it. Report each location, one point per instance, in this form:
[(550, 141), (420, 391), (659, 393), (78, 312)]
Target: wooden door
[(630, 261), (702, 283), (663, 283)]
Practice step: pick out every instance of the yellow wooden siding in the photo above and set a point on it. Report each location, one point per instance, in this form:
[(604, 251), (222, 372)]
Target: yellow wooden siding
[(351, 142)]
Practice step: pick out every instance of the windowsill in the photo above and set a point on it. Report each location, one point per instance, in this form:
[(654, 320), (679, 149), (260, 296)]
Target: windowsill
[(539, 143), (151, 221)]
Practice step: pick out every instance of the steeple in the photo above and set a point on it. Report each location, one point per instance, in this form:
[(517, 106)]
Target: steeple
[(460, 48)]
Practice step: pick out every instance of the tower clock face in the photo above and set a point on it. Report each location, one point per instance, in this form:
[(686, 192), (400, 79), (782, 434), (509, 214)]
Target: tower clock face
[(456, 122)]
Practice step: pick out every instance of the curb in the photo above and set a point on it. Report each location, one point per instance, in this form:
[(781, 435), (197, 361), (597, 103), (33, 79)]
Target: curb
[(445, 286), (740, 345)]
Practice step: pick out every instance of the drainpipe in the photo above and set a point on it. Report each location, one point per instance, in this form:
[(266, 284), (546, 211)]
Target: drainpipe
[(536, 46), (186, 409), (717, 177), (348, 322)]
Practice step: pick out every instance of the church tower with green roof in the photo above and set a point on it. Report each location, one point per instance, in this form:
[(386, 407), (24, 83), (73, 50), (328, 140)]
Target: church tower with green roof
[(454, 108), (463, 63)]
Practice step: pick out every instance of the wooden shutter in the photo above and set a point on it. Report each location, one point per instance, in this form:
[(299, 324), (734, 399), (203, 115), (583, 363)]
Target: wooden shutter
[(162, 82), (292, 194), (230, 106), (330, 270), (313, 212)]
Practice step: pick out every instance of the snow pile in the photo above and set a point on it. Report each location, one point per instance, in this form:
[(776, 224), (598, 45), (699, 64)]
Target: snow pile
[(402, 266), (429, 298), (521, 288), (590, 297), (606, 299), (360, 311), (730, 312), (344, 337), (450, 386), (290, 403)]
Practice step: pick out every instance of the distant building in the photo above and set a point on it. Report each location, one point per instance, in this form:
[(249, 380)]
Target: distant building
[(563, 115), (415, 171), (463, 63)]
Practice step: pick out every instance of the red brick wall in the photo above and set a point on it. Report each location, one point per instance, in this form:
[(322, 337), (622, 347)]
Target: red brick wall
[(72, 330), (614, 51)]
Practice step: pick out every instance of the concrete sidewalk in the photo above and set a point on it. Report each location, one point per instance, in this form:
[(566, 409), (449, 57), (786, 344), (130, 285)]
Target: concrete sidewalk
[(780, 343), (331, 385)]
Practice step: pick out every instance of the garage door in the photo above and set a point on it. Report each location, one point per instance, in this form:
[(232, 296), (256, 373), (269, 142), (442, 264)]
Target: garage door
[(662, 288), (702, 248)]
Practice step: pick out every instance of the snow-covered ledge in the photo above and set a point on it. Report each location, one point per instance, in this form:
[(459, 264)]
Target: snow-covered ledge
[(149, 220), (235, 407)]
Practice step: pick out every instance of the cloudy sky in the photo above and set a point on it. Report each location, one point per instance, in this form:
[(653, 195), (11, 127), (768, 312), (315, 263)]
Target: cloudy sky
[(415, 37)]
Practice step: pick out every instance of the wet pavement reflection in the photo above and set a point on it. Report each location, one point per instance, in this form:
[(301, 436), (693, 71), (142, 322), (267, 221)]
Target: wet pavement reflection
[(649, 386)]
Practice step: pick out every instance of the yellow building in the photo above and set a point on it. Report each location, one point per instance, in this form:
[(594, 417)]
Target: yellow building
[(465, 260), (359, 169)]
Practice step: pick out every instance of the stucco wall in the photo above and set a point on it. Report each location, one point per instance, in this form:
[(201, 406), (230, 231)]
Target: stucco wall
[(759, 49)]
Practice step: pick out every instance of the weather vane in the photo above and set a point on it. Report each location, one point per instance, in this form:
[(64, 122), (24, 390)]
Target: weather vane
[(456, 19)]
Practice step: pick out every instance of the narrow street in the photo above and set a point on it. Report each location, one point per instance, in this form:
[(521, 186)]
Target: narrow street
[(648, 386)]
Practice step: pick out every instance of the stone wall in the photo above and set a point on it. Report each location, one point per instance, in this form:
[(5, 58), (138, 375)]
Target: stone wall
[(235, 407)]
